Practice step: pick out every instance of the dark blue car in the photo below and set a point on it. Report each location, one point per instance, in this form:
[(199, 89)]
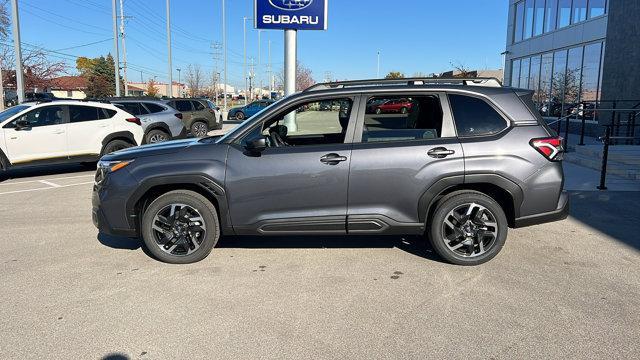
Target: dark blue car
[(245, 112)]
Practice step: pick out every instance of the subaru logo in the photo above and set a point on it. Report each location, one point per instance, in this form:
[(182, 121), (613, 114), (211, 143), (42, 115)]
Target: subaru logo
[(291, 5)]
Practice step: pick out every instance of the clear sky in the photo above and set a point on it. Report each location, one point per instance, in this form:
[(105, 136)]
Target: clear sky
[(412, 35)]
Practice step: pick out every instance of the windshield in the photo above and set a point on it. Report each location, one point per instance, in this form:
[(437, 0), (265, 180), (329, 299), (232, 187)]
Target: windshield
[(11, 111), (240, 127), (211, 104)]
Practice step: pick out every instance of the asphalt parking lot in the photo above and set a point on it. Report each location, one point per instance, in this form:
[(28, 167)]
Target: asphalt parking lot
[(564, 290)]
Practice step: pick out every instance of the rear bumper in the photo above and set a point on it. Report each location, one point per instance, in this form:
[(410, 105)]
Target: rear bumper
[(560, 213)]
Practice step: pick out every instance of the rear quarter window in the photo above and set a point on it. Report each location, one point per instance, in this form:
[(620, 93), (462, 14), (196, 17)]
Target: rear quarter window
[(198, 105), (154, 108), (475, 117)]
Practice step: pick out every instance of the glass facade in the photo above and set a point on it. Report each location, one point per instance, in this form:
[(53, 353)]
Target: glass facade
[(561, 80), (536, 17)]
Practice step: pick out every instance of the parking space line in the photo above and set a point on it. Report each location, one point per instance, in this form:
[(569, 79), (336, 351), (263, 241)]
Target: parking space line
[(54, 179), (50, 183), (47, 188)]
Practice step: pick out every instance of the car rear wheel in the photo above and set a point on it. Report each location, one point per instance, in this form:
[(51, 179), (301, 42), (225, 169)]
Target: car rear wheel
[(240, 115), (199, 129), (156, 136), (180, 227), (115, 145), (468, 228)]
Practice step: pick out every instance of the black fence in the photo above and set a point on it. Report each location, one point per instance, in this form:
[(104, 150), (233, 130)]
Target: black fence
[(622, 127)]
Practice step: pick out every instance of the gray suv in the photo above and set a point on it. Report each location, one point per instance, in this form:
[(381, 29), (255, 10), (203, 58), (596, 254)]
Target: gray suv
[(159, 121), (467, 160)]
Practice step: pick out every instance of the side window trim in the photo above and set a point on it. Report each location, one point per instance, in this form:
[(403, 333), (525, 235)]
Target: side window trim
[(487, 100)]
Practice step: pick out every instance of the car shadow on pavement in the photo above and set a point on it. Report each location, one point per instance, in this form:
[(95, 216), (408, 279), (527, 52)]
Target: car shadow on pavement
[(415, 245), (45, 170), (615, 214)]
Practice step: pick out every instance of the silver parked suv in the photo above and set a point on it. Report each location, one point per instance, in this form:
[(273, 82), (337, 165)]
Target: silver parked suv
[(160, 122), (465, 161)]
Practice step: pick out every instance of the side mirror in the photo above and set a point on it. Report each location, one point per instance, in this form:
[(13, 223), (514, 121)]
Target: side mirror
[(257, 145), (23, 125)]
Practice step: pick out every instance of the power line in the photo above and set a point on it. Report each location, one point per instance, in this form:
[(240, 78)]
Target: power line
[(83, 45)]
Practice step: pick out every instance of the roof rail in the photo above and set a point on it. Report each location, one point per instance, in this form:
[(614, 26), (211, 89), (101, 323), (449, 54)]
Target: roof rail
[(477, 81)]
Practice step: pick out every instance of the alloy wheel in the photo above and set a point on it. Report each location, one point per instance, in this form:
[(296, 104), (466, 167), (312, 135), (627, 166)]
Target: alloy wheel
[(158, 137), (199, 129), (179, 229), (470, 230)]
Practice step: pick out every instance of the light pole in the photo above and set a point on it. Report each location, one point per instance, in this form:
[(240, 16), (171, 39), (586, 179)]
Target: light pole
[(224, 45), (179, 85), (290, 58), (18, 51), (116, 58), (170, 90), (378, 71), (244, 27), (259, 72)]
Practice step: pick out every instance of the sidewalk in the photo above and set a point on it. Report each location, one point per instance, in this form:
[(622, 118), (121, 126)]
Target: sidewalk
[(580, 178)]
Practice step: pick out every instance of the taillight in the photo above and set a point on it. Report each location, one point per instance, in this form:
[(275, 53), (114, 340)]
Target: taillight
[(212, 111), (134, 120), (550, 147), (178, 115)]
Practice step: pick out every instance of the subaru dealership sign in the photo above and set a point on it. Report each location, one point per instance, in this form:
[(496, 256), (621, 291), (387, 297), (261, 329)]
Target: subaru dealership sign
[(291, 14)]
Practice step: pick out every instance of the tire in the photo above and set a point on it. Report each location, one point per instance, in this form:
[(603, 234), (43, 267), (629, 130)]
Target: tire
[(459, 243), (199, 129), (156, 136), (378, 111), (179, 254), (240, 115), (115, 145)]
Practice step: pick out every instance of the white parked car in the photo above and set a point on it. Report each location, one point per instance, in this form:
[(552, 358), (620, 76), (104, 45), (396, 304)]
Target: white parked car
[(64, 131)]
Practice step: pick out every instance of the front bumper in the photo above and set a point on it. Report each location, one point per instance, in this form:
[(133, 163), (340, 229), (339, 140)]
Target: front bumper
[(109, 211), (560, 213)]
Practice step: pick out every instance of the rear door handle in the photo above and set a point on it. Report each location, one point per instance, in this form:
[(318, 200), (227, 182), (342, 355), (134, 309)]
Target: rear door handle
[(440, 152), (332, 159), (58, 132)]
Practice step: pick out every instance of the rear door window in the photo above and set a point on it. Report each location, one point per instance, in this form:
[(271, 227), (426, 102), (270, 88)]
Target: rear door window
[(184, 105), (84, 113), (475, 117), (135, 109), (411, 118), (198, 106), (154, 108)]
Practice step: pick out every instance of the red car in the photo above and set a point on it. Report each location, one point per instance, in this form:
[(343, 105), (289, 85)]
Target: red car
[(402, 106)]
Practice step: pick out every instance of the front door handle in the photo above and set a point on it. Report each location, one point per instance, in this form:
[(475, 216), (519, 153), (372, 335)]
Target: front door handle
[(332, 159), (58, 132), (440, 152)]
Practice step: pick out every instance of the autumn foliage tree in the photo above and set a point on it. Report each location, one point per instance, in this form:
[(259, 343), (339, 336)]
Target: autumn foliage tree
[(394, 75), (152, 89), (100, 75)]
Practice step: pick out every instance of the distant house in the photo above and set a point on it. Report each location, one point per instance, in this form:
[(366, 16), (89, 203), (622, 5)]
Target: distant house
[(135, 90), (70, 87)]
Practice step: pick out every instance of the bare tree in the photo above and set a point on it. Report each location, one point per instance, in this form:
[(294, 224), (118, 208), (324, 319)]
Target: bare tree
[(5, 23), (462, 70), (304, 77), (195, 79)]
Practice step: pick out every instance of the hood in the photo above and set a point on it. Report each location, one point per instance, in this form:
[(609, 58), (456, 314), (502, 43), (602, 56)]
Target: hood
[(167, 147)]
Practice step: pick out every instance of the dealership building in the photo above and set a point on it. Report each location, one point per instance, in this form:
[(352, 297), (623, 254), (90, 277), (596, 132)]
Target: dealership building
[(573, 51)]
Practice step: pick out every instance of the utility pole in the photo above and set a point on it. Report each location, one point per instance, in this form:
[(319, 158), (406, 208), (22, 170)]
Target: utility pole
[(269, 70), (170, 89), (1, 89), (116, 58), (141, 80), (244, 27), (179, 85), (18, 50), (124, 50), (224, 46), (251, 76), (378, 71)]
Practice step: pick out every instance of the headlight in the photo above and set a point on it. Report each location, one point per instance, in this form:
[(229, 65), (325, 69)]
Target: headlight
[(113, 166)]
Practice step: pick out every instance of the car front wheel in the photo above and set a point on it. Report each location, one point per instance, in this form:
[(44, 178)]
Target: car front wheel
[(240, 115), (180, 227), (156, 136), (468, 228)]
